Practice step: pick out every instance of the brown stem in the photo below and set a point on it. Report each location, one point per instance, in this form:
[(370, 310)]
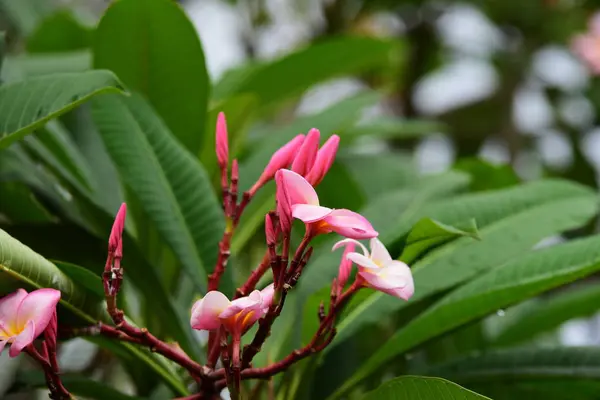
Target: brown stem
[(51, 372)]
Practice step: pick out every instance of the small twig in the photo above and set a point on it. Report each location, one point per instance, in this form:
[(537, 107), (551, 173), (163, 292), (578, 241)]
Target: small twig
[(250, 284), (57, 390)]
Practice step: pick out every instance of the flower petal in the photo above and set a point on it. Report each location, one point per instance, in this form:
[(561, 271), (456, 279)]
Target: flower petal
[(205, 313), (350, 224), (267, 295), (250, 302), (24, 339), (298, 190), (39, 306), (394, 279), (379, 253), (308, 213), (362, 261), (9, 305), (346, 242)]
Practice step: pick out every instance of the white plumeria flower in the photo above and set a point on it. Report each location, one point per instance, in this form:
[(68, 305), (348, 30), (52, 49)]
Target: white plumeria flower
[(379, 270)]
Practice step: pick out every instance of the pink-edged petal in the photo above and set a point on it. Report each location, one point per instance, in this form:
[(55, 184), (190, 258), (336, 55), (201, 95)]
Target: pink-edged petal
[(379, 253), (251, 302), (24, 339), (9, 305), (307, 154), (346, 242), (362, 261), (308, 213), (267, 295), (298, 190), (205, 313), (324, 160), (350, 224), (394, 279), (39, 306)]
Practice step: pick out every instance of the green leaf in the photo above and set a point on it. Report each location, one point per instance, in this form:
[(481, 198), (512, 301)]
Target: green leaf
[(168, 68), (76, 384), (22, 267), (393, 171), (19, 204), (428, 233), (59, 32), (511, 222), (548, 314), (24, 66), (394, 128), (422, 388), (2, 48), (27, 105), (170, 183), (515, 281), (522, 364), (486, 176), (85, 278), (344, 55)]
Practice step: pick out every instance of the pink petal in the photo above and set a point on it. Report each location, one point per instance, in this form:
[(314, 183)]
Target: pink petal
[(267, 295), (24, 339), (350, 224), (362, 261), (9, 305), (594, 24), (115, 242), (222, 143), (345, 266), (306, 156), (298, 190), (379, 253), (284, 210), (39, 306), (347, 242), (248, 303), (324, 161), (308, 213), (394, 279), (205, 313)]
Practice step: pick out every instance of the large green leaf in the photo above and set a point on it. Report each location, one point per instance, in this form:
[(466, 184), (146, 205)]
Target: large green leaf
[(170, 183), (154, 49), (27, 105), (316, 63), (429, 233), (422, 388), (522, 364), (511, 221), (22, 267), (394, 128), (547, 314), (515, 281)]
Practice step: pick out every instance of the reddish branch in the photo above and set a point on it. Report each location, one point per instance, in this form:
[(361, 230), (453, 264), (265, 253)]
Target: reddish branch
[(250, 284), (51, 372)]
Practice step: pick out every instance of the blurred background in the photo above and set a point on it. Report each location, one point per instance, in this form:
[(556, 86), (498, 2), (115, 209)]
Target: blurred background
[(483, 85)]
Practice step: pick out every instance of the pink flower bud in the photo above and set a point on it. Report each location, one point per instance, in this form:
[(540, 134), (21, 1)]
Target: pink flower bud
[(115, 241), (325, 158), (284, 210), (24, 316), (282, 158), (305, 159), (345, 266), (222, 143)]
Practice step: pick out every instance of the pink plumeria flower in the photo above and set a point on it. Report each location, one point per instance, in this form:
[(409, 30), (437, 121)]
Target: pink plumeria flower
[(24, 316), (379, 270), (587, 46), (237, 316), (304, 205)]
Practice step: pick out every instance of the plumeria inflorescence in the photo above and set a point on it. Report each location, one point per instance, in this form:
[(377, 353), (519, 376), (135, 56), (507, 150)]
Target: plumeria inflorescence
[(297, 168)]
